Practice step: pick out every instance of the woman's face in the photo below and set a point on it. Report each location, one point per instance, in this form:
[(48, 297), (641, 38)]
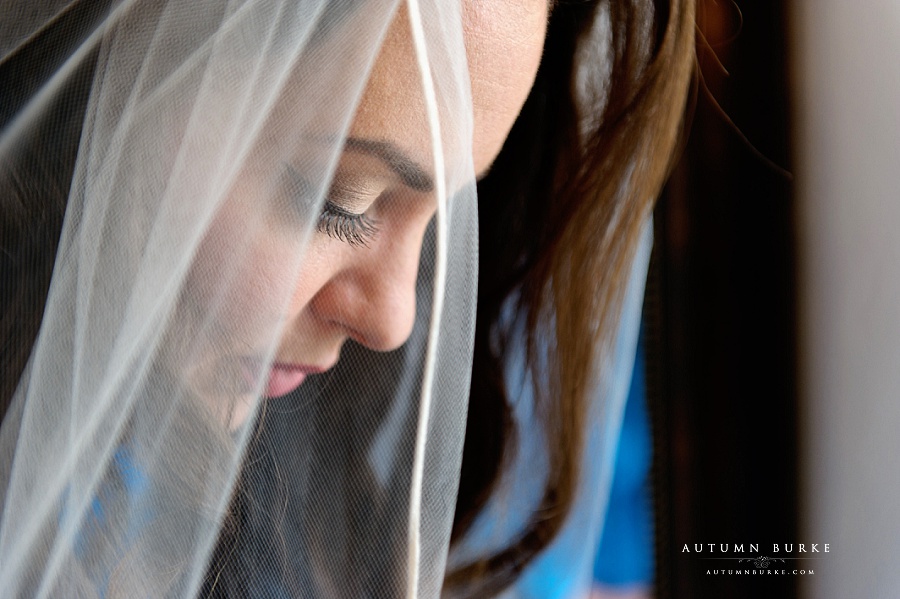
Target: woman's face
[(358, 275)]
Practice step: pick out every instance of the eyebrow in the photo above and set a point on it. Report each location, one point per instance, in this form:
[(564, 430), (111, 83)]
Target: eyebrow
[(410, 172)]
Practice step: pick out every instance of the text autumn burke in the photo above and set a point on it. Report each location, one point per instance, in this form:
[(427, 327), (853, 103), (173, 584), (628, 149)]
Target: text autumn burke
[(754, 548)]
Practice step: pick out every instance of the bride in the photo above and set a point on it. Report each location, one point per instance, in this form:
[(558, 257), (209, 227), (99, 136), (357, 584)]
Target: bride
[(266, 199)]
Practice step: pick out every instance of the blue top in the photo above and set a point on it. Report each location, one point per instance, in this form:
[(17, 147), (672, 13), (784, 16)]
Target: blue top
[(625, 553)]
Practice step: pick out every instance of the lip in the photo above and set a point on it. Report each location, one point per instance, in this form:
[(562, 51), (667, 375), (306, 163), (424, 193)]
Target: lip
[(285, 377)]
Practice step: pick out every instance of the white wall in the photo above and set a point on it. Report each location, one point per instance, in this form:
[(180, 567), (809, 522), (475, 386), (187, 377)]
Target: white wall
[(847, 109)]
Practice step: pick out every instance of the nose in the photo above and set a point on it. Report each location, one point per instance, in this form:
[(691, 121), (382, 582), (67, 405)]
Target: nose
[(373, 298)]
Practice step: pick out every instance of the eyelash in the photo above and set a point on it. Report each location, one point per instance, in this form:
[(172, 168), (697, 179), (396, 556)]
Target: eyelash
[(349, 227)]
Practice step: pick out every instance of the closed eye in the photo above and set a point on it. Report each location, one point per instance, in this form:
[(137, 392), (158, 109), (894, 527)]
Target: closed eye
[(349, 227), (333, 220)]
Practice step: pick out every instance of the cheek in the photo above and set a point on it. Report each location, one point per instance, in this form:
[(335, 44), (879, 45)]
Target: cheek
[(316, 270), (250, 272)]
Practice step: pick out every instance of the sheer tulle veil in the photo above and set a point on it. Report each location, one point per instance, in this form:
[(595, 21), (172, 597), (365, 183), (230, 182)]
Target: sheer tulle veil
[(211, 140)]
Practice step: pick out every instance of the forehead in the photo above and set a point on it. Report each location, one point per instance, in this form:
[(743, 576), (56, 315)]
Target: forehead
[(483, 71), (503, 41)]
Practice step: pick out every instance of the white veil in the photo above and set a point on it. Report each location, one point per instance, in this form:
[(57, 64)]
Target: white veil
[(208, 142)]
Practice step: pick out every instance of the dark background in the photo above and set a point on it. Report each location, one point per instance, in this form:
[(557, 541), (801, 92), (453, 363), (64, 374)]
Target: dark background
[(720, 319)]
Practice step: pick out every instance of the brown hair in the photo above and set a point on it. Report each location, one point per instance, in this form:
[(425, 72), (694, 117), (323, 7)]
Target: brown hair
[(560, 215)]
